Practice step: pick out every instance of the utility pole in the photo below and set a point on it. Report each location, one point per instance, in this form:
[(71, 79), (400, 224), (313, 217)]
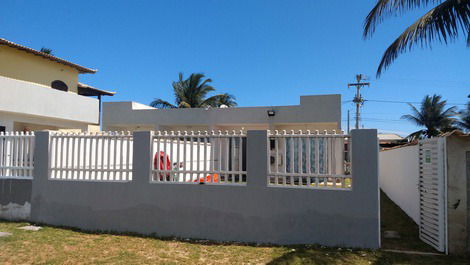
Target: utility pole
[(348, 121), (358, 98)]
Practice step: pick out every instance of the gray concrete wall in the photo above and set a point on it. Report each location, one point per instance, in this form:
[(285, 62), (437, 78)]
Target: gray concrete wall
[(15, 199), (251, 213), (457, 191), (323, 109)]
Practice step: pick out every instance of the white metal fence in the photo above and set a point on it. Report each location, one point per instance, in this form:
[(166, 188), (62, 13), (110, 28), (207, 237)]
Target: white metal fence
[(104, 156), (190, 157), (310, 160), (16, 155)]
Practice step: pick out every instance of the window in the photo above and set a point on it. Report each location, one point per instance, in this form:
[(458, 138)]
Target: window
[(59, 85)]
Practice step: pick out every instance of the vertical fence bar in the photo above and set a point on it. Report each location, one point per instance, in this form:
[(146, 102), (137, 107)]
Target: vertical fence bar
[(79, 156), (198, 154), (191, 156), (89, 156), (164, 156), (185, 159), (227, 156), (20, 155), (2, 154), (171, 155), (205, 159), (108, 156), (308, 157), (178, 140), (112, 167), (240, 157), (15, 155), (74, 149), (99, 156), (156, 155), (65, 151), (121, 156)]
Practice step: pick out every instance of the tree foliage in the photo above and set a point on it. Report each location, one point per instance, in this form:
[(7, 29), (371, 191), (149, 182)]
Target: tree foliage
[(433, 116), (444, 22), (193, 93), (464, 119)]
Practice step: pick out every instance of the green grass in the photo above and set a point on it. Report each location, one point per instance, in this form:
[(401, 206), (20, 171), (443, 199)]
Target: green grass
[(394, 219), (65, 246)]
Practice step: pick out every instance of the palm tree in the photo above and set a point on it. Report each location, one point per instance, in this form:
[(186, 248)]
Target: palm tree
[(432, 115), (464, 119), (192, 93), (444, 22)]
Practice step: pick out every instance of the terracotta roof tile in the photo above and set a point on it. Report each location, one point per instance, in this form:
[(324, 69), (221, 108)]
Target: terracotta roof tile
[(80, 68)]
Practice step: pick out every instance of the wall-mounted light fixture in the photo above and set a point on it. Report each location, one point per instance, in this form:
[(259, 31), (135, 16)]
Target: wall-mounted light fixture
[(271, 113)]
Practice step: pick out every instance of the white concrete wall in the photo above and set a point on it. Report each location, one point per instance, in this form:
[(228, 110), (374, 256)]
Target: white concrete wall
[(32, 99), (20, 122), (399, 178)]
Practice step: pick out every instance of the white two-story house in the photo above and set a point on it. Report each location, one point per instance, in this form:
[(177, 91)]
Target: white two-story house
[(39, 91)]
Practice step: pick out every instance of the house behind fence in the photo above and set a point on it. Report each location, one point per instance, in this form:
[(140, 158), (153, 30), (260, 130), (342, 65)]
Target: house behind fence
[(255, 186)]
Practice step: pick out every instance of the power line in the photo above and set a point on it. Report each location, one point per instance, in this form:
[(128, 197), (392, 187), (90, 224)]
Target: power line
[(406, 102)]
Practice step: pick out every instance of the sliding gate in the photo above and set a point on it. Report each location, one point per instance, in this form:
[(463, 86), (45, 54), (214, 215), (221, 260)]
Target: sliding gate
[(433, 193)]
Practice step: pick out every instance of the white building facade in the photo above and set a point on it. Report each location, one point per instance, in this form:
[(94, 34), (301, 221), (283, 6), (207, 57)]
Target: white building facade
[(319, 112)]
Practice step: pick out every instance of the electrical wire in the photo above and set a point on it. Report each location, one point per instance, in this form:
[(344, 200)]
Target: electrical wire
[(406, 102)]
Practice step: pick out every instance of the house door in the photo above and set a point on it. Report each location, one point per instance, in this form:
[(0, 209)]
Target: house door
[(433, 193)]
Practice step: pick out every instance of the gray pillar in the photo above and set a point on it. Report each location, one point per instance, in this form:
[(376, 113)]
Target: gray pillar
[(257, 158), (142, 157), (365, 155), (365, 172), (40, 172)]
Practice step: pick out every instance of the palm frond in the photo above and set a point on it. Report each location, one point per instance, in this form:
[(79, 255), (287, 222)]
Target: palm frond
[(386, 8), (442, 23), (184, 104), (450, 112), (464, 119), (468, 38), (162, 104), (219, 100), (192, 93), (416, 135), (413, 119)]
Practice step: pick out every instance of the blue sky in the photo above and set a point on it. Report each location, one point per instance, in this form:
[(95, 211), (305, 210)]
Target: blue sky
[(264, 52)]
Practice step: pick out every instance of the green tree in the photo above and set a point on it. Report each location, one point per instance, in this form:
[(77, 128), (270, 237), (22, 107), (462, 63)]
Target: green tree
[(464, 119), (432, 115), (192, 93), (443, 23)]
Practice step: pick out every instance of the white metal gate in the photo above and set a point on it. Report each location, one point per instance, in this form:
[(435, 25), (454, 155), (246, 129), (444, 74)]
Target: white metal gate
[(433, 193)]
